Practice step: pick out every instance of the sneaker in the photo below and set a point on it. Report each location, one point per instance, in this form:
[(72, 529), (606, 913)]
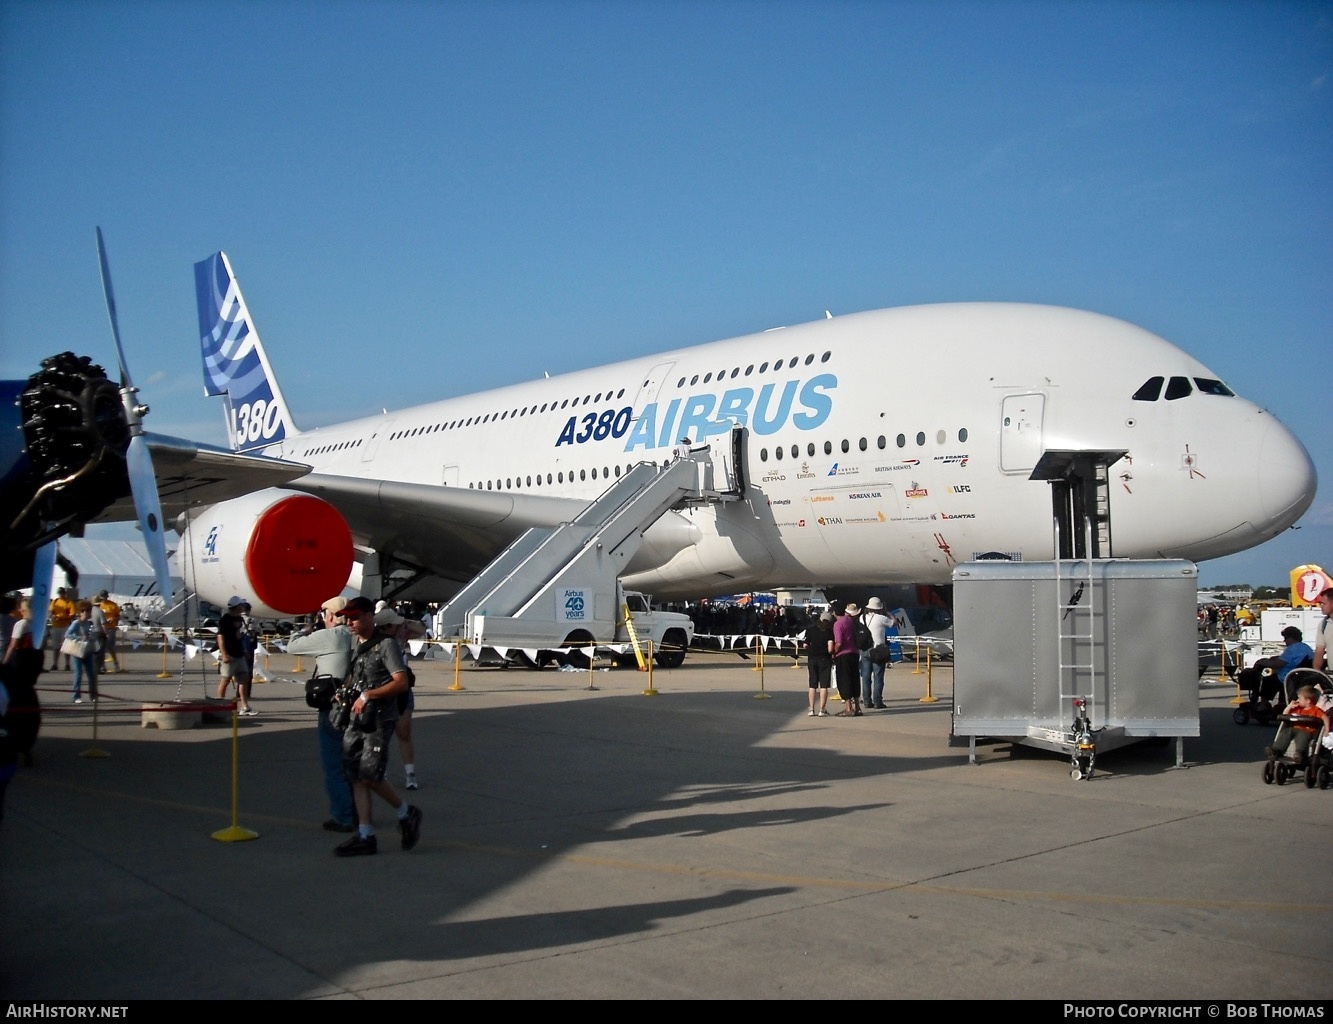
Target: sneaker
[(410, 827), (810, 713), (412, 781), (357, 846), (823, 713), (248, 712), (78, 700), (880, 707), (334, 825)]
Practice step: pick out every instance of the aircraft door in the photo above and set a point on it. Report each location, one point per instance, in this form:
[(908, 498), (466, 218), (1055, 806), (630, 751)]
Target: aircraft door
[(372, 444), (1020, 432), (727, 457), (652, 383)]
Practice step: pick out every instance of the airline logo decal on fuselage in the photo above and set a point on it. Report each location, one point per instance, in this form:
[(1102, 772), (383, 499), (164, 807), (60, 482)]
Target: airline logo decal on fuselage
[(803, 405)]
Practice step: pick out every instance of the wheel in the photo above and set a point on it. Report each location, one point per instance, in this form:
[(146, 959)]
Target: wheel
[(1322, 776), (1075, 773), (1282, 775), (1270, 772), (1309, 776), (1241, 715), (672, 652), (581, 640)]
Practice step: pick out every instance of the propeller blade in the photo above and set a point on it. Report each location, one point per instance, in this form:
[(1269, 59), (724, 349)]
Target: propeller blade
[(43, 578), (143, 483), (138, 460), (111, 313)]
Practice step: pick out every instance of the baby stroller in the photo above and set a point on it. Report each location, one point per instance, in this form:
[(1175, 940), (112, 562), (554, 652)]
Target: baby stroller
[(1259, 680), (1317, 761)]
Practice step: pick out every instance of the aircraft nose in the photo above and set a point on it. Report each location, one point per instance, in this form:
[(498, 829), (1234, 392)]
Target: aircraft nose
[(1287, 477)]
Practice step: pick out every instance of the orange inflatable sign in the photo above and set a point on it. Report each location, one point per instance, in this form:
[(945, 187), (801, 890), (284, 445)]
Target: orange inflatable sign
[(1307, 583)]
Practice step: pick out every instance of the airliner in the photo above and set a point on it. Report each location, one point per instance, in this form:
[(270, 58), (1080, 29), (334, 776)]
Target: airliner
[(871, 448)]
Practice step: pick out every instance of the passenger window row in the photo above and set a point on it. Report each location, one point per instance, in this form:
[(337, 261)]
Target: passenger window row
[(736, 371), (882, 442)]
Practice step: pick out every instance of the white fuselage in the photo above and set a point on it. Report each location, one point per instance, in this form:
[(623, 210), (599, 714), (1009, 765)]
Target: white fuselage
[(879, 447)]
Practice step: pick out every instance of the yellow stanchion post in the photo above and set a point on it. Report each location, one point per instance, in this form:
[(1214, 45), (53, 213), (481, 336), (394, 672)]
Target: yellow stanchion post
[(929, 698), (458, 661), (1240, 697), (758, 654), (650, 691), (164, 674), (796, 653), (234, 833), (916, 668), (94, 750), (297, 667), (592, 663), (762, 694)]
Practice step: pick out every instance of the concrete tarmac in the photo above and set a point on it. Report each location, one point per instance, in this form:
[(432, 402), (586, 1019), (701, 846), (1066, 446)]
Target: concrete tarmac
[(701, 843)]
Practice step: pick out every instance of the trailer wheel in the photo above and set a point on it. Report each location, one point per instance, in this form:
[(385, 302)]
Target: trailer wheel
[(1241, 715), (1075, 773), (1281, 774), (672, 652), (1270, 772), (1322, 776), (1309, 776)]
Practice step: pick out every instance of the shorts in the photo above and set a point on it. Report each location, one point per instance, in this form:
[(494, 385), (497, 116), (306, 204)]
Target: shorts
[(821, 673), (237, 669), (366, 754)]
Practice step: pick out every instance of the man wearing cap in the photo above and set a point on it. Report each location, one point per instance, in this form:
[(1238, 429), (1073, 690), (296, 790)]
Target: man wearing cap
[(61, 614), (403, 630), (845, 657), (872, 673), (376, 675), (111, 612), (331, 648), (234, 655)]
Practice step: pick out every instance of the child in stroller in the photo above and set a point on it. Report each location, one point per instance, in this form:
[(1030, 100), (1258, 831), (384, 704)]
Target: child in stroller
[(1299, 744)]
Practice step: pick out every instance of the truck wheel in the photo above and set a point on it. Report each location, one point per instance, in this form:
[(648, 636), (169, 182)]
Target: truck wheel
[(672, 652), (580, 639)]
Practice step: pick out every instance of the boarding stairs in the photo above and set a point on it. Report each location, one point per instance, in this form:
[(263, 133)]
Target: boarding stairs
[(552, 581)]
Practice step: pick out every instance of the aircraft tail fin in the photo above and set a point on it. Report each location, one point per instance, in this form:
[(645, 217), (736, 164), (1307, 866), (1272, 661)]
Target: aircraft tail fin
[(235, 364)]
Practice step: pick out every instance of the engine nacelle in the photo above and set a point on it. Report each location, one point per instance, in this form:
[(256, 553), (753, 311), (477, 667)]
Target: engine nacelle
[(285, 553)]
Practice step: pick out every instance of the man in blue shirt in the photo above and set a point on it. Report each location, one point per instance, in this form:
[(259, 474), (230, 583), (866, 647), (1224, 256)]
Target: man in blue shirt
[(1297, 654)]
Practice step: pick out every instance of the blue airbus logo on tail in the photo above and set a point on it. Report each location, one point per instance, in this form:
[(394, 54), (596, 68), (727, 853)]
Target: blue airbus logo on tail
[(234, 363)]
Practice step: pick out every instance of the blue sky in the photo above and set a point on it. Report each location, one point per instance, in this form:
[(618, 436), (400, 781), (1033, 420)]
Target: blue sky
[(426, 199)]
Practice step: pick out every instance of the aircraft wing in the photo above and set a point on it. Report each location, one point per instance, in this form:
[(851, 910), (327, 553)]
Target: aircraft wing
[(453, 531), (190, 474)]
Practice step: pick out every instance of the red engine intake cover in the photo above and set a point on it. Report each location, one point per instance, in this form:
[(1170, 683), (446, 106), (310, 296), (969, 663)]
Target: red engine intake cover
[(300, 554)]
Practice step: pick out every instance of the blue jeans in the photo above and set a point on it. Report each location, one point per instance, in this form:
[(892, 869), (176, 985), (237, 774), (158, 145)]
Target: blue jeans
[(88, 664), (872, 682), (331, 759)]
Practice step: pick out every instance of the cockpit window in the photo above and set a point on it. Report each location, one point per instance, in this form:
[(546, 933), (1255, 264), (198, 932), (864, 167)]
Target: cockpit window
[(1213, 387), (1151, 390), (1178, 388)]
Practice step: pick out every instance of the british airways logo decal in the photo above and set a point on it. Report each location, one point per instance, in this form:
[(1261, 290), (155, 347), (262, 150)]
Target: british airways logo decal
[(805, 405)]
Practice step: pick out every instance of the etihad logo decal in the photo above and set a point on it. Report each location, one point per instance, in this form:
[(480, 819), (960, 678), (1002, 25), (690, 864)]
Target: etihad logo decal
[(805, 473), (915, 492), (799, 404), (844, 470), (958, 515), (905, 464), (865, 494), (772, 477), (959, 460)]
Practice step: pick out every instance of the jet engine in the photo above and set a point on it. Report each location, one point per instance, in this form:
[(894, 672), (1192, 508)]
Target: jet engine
[(285, 553)]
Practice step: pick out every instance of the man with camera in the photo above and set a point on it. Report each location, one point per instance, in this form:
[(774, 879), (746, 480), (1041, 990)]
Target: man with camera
[(367, 710)]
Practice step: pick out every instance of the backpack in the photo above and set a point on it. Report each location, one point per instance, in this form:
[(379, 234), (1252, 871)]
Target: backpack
[(864, 639)]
